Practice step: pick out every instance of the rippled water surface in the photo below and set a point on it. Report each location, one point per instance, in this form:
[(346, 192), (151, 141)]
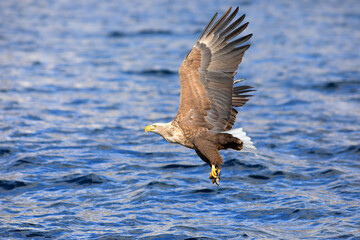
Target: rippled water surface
[(81, 79)]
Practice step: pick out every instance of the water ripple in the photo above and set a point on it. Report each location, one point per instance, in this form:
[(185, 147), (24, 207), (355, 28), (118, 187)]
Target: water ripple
[(81, 79)]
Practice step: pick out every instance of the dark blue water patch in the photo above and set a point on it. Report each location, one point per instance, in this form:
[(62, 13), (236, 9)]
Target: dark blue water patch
[(283, 214), (102, 63), (17, 134), (12, 105), (258, 177), (62, 204), (5, 151), (236, 162), (177, 166), (173, 236), (183, 227), (347, 236), (43, 89), (36, 63), (133, 167), (204, 191), (160, 185), (5, 90), (116, 34), (350, 149), (56, 88), (32, 117), (115, 106), (154, 32), (92, 131), (8, 185), (30, 233), (343, 86), (59, 130), (322, 152), (105, 130), (329, 173), (116, 237), (147, 155), (78, 101), (150, 72), (307, 214), (246, 196), (24, 162), (30, 225), (348, 191), (103, 147), (60, 112), (150, 32), (88, 179), (278, 173), (294, 102)]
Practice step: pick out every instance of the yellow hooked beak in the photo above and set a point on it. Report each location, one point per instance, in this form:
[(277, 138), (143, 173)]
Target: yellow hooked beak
[(149, 128)]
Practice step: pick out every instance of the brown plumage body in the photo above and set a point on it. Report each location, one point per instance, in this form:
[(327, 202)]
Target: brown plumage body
[(208, 96)]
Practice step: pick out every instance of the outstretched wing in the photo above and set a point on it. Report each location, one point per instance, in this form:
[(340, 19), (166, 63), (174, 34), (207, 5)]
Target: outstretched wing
[(207, 74)]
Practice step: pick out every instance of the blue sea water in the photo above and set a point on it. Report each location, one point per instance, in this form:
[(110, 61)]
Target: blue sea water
[(79, 81)]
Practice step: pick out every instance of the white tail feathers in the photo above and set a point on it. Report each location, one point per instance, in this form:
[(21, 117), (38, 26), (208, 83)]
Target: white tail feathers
[(240, 134)]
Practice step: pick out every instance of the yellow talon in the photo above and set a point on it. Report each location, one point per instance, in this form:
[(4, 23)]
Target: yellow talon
[(214, 175)]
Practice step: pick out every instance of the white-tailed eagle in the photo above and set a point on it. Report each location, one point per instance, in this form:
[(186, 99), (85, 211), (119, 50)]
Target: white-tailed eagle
[(208, 96)]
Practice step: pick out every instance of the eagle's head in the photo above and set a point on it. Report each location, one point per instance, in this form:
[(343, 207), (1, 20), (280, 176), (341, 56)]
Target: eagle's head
[(166, 130), (162, 129)]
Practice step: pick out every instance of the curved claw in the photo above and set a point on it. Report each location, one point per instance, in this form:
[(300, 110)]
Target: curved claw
[(215, 175)]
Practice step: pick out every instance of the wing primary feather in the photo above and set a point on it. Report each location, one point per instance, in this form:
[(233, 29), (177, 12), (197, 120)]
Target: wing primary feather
[(235, 52), (239, 50), (218, 40), (233, 25), (207, 26), (228, 20), (239, 100), (219, 22), (242, 88), (230, 46), (236, 32), (239, 41), (246, 96), (237, 93)]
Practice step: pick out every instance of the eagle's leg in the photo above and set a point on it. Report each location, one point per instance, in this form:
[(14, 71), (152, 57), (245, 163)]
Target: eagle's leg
[(215, 175), (209, 153)]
